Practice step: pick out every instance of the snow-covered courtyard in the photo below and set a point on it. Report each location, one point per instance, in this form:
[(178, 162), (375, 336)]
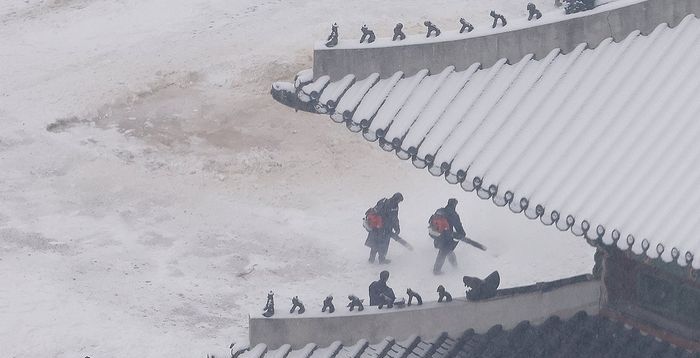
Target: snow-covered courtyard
[(152, 192)]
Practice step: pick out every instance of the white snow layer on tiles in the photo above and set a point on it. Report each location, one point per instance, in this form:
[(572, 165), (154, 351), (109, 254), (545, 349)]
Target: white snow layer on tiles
[(416, 102), (375, 97), (304, 76), (355, 350), (256, 352), (474, 117), (499, 118), (313, 89), (280, 352), (456, 111), (446, 93), (603, 136), (397, 98), (334, 90), (304, 352), (327, 352), (354, 95)]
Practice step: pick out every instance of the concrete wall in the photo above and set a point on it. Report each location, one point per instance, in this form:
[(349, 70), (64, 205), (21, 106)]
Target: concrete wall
[(427, 320), (565, 32)]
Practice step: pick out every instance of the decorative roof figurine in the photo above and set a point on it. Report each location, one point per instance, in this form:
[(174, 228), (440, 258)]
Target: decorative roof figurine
[(413, 294), (269, 309), (296, 303), (432, 29), (367, 34), (465, 26), (533, 12), (444, 295), (333, 37), (482, 289), (328, 305), (497, 17), (398, 32), (355, 302)]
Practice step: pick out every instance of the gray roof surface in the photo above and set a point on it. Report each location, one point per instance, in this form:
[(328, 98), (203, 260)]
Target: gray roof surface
[(581, 336)]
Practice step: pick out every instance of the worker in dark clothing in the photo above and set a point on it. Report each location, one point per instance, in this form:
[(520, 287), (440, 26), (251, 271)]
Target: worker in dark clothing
[(382, 222), (380, 293), (446, 230)]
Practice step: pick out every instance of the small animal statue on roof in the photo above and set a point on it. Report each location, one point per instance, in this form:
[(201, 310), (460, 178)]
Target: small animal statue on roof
[(269, 309), (465, 26), (367, 34), (497, 17), (432, 29), (398, 32), (443, 294), (333, 37), (296, 303), (400, 303), (328, 305), (479, 289), (533, 12), (413, 294), (355, 302)]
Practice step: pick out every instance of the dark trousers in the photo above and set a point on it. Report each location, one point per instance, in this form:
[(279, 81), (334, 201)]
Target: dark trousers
[(440, 259), (378, 246), (377, 250)]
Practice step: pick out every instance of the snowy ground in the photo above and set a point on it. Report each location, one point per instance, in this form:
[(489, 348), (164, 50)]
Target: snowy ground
[(152, 192)]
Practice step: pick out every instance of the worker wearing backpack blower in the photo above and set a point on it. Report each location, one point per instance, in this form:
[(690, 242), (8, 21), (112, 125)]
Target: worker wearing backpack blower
[(382, 222), (445, 228)]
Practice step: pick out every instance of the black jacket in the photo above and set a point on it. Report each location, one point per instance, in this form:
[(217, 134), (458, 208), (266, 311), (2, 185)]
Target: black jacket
[(389, 210), (447, 239), (376, 289), (453, 219)]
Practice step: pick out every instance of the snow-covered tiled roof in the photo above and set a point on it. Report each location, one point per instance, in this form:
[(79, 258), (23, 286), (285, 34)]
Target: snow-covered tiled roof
[(602, 142), (582, 336)]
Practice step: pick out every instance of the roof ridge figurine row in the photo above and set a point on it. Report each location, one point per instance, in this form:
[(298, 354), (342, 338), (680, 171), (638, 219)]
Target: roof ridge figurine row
[(368, 35), (355, 302), (478, 290)]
